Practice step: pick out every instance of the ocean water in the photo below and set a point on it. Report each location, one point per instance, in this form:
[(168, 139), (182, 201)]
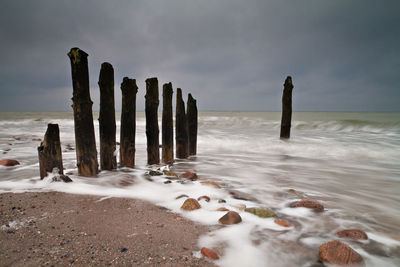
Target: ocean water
[(347, 161)]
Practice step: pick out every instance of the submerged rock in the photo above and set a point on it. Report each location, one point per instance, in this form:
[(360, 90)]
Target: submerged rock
[(206, 198), (209, 253), (190, 204), (353, 234), (239, 206), (261, 212), (9, 162), (155, 173), (336, 252), (242, 196), (282, 222), (210, 182), (170, 174), (61, 178), (311, 204), (231, 217), (222, 209), (181, 196), (189, 175)]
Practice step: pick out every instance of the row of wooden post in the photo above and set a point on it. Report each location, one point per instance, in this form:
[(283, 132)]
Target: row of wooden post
[(85, 144)]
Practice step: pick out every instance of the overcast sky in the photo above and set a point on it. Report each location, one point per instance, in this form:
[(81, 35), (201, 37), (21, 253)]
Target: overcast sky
[(343, 55)]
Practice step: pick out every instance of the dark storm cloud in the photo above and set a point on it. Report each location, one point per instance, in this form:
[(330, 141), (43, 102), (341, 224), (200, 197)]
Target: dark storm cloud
[(343, 55)]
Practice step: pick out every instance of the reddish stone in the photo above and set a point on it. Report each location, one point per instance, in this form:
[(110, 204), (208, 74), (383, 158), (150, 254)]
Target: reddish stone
[(353, 234), (311, 204), (209, 253), (189, 175), (190, 204), (231, 217), (8, 162), (336, 252), (206, 198), (283, 222)]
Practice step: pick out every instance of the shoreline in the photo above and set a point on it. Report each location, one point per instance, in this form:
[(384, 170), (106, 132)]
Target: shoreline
[(60, 229)]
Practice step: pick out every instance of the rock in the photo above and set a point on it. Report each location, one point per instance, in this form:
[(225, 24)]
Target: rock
[(209, 253), (283, 223), (231, 217), (181, 196), (311, 204), (261, 212), (206, 198), (123, 249), (61, 178), (336, 252), (353, 234), (222, 209), (36, 139), (190, 204), (155, 173), (8, 162), (239, 206), (189, 175), (170, 174), (242, 196), (167, 182), (296, 193), (221, 201), (209, 182)]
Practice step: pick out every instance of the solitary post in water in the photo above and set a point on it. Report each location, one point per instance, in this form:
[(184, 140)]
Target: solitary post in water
[(85, 143), (286, 108)]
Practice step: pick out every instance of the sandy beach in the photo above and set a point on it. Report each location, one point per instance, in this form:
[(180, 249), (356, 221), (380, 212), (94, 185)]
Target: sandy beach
[(58, 229)]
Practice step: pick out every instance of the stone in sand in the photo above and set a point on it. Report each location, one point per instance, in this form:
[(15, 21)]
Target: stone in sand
[(190, 204), (336, 252), (8, 162), (189, 175), (209, 253), (231, 217), (282, 222), (261, 212), (353, 234), (311, 204)]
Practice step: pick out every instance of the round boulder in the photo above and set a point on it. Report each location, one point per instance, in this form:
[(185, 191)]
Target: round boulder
[(311, 204), (8, 162), (190, 204), (336, 252), (231, 217), (352, 234)]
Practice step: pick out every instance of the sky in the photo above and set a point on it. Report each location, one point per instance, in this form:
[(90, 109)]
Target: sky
[(343, 55)]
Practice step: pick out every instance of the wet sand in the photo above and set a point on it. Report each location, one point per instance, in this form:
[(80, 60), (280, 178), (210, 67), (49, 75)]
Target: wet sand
[(45, 229)]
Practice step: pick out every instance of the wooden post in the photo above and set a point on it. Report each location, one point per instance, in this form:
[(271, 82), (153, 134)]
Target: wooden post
[(128, 122), (108, 159), (49, 151), (167, 125), (85, 142), (286, 108), (152, 130), (181, 127), (192, 125)]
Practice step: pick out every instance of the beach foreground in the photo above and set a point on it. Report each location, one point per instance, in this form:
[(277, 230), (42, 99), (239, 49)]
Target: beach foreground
[(61, 229)]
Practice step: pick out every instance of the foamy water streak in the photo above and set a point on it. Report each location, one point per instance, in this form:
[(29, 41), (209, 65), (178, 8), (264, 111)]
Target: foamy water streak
[(347, 161)]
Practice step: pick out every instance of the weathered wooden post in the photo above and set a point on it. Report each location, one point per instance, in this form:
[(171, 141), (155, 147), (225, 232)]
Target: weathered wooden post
[(108, 159), (85, 142), (128, 122), (192, 119), (50, 151), (286, 108), (152, 130), (181, 128), (167, 125)]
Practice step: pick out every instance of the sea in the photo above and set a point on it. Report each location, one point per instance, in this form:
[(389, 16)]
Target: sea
[(347, 161)]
